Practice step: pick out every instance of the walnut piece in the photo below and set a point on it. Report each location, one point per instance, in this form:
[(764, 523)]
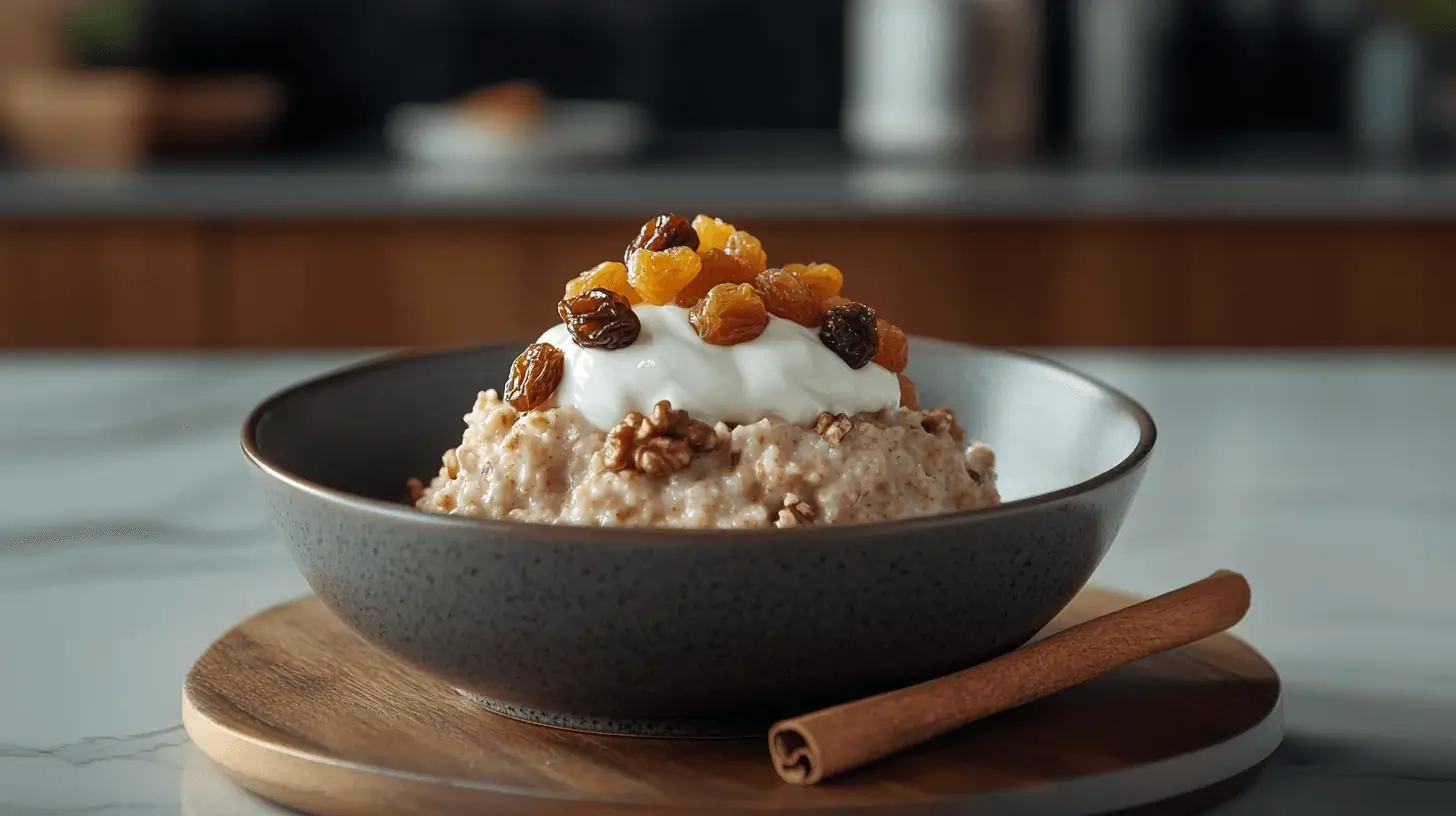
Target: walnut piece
[(617, 453), (833, 427), (662, 455), (796, 512), (942, 420), (659, 443), (980, 463)]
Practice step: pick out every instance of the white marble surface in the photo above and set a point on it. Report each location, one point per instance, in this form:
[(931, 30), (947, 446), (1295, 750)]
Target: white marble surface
[(131, 536)]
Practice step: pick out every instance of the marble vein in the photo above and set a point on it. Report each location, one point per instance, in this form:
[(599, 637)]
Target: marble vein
[(136, 747)]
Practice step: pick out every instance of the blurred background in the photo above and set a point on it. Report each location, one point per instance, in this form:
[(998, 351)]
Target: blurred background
[(323, 173)]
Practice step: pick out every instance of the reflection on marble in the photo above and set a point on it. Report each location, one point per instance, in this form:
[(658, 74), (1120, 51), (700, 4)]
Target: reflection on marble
[(131, 536)]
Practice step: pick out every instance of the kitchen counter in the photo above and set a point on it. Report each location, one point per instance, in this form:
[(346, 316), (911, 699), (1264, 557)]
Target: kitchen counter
[(131, 536), (750, 188)]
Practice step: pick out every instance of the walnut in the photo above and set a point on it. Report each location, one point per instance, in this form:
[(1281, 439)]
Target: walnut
[(662, 455), (980, 463), (796, 512), (664, 418), (416, 490), (659, 443), (700, 436), (833, 427), (621, 440), (942, 420)]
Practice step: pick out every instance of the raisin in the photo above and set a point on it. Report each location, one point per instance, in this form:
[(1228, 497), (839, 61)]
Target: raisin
[(729, 314), (534, 376), (718, 267), (748, 249), (659, 276), (824, 280), (850, 332), (894, 352), (600, 318), (608, 275), (785, 297), (712, 232), (663, 232), (908, 397)]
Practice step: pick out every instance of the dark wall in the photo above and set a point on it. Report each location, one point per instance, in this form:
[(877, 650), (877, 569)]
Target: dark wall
[(709, 64)]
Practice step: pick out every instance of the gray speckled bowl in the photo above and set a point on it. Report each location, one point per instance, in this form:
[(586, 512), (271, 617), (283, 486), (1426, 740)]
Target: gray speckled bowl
[(685, 632)]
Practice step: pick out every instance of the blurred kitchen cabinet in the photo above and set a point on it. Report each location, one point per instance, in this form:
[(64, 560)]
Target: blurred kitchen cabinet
[(103, 284), (429, 282), (372, 284), (1019, 283)]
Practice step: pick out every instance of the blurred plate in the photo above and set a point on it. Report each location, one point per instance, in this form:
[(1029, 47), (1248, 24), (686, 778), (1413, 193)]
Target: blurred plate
[(436, 136)]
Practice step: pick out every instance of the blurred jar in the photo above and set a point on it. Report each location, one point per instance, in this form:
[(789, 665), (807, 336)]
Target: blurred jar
[(1115, 45), (906, 89), (1387, 91)]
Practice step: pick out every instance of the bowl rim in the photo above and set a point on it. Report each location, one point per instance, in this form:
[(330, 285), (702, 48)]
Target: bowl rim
[(1147, 437)]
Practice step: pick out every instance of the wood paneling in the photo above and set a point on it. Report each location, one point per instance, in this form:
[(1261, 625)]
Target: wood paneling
[(435, 283), (1026, 283), (9, 300), (131, 285)]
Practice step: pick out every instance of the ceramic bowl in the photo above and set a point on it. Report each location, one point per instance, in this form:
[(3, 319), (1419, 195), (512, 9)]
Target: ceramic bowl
[(676, 633)]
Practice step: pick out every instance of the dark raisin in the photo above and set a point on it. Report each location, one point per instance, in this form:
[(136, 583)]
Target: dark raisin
[(850, 332), (535, 376), (663, 232), (600, 318)]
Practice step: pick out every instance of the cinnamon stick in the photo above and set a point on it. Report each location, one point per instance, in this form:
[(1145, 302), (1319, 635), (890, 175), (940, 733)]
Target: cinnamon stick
[(819, 745)]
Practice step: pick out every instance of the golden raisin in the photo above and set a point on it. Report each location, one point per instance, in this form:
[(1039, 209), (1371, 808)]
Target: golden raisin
[(712, 232), (894, 352), (535, 376), (718, 267), (600, 318), (908, 398), (850, 332), (609, 275), (785, 297), (663, 232), (824, 280), (729, 314), (659, 276), (835, 300), (746, 248)]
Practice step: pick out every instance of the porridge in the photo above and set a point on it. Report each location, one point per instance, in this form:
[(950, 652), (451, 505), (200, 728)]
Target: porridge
[(695, 386)]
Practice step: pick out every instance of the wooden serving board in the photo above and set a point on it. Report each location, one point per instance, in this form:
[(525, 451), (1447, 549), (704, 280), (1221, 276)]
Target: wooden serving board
[(298, 709)]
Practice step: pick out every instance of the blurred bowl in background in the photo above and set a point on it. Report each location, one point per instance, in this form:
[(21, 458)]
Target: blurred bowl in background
[(456, 136)]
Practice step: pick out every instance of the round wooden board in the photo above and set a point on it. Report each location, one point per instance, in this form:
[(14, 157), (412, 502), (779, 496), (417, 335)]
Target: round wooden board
[(298, 709)]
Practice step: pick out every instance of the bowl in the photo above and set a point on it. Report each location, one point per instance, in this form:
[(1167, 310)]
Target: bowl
[(691, 633)]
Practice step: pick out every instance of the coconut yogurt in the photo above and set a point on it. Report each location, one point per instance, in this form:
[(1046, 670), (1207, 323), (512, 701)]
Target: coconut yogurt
[(786, 373)]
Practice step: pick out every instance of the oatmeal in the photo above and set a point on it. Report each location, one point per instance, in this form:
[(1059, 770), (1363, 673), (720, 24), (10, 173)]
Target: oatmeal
[(553, 466), (692, 385)]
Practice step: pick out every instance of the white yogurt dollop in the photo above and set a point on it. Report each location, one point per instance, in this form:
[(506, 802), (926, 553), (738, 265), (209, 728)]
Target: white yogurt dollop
[(786, 373)]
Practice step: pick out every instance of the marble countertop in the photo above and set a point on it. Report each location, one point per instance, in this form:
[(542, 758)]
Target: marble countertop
[(750, 189), (131, 536)]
